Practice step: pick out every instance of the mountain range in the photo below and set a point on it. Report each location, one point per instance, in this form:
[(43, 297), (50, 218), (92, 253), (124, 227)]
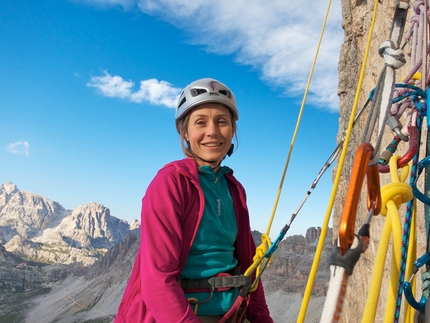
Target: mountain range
[(37, 228), (60, 265)]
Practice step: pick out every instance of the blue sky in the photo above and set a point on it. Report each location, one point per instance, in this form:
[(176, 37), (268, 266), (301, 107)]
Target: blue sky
[(88, 89)]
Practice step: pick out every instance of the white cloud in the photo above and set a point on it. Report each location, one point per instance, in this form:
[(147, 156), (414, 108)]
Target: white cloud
[(155, 92), (277, 37), (112, 86), (125, 4), (19, 148), (152, 90)]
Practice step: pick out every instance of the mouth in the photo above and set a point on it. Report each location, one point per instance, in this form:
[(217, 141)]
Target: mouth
[(212, 144)]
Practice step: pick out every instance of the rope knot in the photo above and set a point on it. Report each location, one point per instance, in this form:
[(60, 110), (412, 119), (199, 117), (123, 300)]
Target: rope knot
[(393, 57), (399, 193), (263, 247)]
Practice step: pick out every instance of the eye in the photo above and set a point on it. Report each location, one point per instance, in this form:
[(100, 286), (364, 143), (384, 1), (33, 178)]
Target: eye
[(222, 122)]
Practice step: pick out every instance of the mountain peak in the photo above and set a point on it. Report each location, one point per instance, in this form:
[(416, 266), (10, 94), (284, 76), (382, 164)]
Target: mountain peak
[(9, 188), (66, 236)]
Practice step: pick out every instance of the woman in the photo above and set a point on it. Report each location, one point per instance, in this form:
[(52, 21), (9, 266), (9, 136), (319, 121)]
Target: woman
[(195, 228)]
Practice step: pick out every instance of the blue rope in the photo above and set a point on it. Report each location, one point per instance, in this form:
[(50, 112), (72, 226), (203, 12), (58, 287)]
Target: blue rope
[(417, 98)]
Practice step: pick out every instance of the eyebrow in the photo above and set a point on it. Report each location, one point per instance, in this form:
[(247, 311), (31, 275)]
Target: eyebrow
[(205, 115)]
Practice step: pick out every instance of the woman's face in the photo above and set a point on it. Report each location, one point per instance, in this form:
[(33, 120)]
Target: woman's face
[(210, 132)]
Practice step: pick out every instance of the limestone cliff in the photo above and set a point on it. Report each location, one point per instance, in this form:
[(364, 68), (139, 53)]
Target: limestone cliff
[(357, 16)]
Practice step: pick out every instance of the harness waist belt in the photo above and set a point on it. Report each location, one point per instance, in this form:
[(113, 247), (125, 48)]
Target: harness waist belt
[(215, 282)]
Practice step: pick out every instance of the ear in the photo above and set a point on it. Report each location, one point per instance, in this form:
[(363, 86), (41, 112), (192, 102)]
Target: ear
[(183, 133)]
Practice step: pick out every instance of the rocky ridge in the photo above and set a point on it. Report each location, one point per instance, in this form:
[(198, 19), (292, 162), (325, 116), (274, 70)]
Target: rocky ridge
[(39, 229)]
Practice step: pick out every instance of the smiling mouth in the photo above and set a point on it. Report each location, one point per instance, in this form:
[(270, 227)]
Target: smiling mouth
[(212, 145)]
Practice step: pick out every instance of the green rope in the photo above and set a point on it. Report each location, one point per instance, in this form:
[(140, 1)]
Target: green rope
[(425, 277)]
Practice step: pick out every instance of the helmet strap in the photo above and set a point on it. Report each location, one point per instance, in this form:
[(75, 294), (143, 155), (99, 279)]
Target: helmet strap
[(230, 151)]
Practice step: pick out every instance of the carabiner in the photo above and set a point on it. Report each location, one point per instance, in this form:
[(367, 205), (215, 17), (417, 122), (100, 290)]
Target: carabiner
[(407, 289), (396, 127), (359, 169), (420, 196), (407, 157)]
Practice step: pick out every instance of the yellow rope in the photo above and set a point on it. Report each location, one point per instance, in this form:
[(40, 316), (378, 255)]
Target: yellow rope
[(299, 118), (393, 195), (265, 244), (320, 246)]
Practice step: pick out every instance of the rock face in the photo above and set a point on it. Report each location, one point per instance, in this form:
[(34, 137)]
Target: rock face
[(39, 229), (357, 17), (291, 264)]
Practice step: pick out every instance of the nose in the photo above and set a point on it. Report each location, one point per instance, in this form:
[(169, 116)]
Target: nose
[(212, 129)]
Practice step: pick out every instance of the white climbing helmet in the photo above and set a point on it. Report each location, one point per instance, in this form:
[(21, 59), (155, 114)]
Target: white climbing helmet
[(205, 90)]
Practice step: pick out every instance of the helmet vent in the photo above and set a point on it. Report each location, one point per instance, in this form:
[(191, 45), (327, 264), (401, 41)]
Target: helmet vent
[(226, 93), (182, 102), (196, 92)]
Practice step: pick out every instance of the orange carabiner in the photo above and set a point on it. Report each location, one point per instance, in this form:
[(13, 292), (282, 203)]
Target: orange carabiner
[(360, 168)]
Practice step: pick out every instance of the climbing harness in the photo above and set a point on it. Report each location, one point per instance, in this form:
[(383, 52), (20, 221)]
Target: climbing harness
[(218, 283)]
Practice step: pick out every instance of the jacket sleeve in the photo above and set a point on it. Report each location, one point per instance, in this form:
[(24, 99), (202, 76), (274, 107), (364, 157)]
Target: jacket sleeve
[(161, 248)]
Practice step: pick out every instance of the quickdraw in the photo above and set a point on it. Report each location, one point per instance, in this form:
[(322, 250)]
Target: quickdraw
[(359, 170)]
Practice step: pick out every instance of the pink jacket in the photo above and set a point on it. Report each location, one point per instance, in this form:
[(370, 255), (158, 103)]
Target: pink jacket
[(171, 211)]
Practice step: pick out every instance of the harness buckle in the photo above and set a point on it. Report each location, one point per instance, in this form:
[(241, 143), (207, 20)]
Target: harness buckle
[(221, 282)]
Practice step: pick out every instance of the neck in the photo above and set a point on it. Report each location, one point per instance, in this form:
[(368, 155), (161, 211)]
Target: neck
[(214, 164)]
